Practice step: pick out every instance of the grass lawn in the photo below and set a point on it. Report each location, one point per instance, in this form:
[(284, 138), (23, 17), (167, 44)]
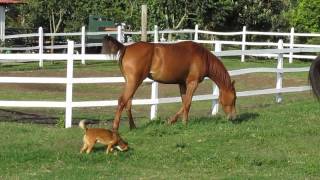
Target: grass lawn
[(269, 140)]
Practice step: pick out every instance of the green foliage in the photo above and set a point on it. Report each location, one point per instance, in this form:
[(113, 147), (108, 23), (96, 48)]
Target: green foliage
[(259, 15), (61, 122), (306, 16), (167, 14)]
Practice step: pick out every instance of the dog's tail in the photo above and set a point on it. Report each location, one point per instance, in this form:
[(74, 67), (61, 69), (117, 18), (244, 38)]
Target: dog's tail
[(83, 125)]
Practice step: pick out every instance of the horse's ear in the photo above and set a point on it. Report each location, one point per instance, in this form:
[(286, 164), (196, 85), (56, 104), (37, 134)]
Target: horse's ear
[(233, 82)]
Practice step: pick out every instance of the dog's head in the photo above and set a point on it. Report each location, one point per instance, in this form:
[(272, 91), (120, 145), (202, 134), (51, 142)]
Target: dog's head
[(122, 145)]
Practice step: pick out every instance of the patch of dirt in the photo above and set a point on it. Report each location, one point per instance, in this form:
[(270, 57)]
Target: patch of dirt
[(37, 118), (36, 87), (23, 117)]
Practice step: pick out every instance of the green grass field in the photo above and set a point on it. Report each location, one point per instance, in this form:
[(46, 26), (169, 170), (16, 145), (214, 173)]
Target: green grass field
[(268, 141)]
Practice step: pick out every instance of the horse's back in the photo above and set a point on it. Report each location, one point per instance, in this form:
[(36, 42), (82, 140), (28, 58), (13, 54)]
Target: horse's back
[(167, 63), (174, 63)]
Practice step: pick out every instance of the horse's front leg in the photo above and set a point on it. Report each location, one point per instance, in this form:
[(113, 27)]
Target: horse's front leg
[(175, 117), (129, 90), (191, 87)]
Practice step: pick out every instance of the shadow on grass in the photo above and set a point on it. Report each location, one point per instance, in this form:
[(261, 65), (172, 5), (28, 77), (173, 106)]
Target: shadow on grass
[(222, 119), (219, 119), (100, 148), (244, 117)]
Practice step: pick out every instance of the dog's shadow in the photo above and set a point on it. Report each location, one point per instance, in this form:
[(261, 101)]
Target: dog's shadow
[(99, 148)]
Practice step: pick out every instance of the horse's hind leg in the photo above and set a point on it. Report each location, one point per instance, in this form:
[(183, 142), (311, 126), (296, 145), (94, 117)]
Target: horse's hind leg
[(129, 90), (175, 117), (128, 107)]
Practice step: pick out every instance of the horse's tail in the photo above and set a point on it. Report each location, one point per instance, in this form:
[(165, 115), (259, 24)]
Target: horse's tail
[(110, 45), (314, 77), (121, 54)]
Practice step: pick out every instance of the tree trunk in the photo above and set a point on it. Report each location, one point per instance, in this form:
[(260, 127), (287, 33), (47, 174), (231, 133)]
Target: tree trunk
[(144, 22), (54, 27)]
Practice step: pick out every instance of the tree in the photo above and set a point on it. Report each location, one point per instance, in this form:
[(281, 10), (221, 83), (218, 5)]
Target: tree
[(306, 16), (219, 15), (50, 15), (266, 15)]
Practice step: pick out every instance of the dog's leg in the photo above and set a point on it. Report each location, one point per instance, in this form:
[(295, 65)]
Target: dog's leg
[(113, 142), (85, 146), (109, 148), (89, 149)]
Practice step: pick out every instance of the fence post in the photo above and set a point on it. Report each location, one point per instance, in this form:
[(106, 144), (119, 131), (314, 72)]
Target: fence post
[(215, 91), (156, 34), (2, 23), (217, 46), (215, 102), (40, 31), (279, 72), (68, 120), (291, 44), (119, 33), (196, 32), (243, 46), (83, 44), (154, 85)]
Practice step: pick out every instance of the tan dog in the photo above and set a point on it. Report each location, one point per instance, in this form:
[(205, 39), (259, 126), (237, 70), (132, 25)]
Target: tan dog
[(104, 136)]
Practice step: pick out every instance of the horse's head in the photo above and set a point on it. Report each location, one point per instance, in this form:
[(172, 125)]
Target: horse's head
[(110, 45), (227, 98)]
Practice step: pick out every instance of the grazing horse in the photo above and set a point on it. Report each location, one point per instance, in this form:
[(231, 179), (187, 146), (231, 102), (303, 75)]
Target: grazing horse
[(184, 63), (314, 77)]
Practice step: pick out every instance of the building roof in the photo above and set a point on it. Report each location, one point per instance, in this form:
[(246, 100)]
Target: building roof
[(10, 1)]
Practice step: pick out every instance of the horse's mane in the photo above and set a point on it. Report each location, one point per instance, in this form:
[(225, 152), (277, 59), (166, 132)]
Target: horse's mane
[(217, 71), (314, 77)]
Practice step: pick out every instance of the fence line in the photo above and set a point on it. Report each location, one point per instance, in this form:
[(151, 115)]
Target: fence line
[(196, 32), (68, 104)]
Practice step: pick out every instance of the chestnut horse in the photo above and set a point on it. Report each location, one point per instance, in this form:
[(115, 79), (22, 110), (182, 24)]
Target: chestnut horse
[(314, 77), (184, 63)]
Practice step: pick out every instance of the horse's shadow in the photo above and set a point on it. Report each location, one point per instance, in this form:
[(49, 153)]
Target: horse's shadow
[(219, 119), (244, 117)]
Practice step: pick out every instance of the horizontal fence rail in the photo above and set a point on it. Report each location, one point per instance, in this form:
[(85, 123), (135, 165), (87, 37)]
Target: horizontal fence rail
[(68, 104), (195, 36)]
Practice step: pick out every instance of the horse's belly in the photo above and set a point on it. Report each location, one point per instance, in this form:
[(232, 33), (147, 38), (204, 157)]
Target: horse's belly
[(167, 78)]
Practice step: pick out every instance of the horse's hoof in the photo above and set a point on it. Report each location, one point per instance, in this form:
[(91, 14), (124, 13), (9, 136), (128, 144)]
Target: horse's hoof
[(172, 121), (185, 123)]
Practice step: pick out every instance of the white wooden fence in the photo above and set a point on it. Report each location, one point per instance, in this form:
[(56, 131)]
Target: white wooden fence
[(69, 80), (195, 32)]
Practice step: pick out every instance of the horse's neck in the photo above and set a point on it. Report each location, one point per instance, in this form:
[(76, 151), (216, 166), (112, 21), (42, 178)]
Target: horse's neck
[(218, 73)]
